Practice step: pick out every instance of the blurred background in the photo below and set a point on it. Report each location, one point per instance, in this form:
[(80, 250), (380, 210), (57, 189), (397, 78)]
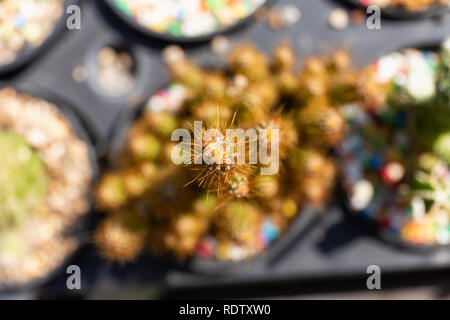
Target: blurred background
[(107, 68)]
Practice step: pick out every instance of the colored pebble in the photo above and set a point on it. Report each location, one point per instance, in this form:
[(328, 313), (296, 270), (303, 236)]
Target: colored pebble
[(26, 24), (338, 19), (187, 18), (270, 231), (412, 204)]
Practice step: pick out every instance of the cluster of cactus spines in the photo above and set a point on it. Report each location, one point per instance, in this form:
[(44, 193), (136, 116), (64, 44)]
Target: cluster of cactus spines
[(246, 60), (219, 154), (239, 221), (230, 202), (188, 74), (372, 94), (314, 173), (121, 236)]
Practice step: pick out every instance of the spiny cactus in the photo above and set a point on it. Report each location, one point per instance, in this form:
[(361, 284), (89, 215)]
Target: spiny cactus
[(321, 125), (111, 192), (239, 221), (248, 61), (188, 74), (144, 146), (283, 58), (220, 207), (122, 236), (184, 233), (219, 167), (288, 133), (212, 112)]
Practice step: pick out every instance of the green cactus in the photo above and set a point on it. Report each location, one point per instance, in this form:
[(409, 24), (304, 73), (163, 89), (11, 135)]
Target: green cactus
[(23, 180)]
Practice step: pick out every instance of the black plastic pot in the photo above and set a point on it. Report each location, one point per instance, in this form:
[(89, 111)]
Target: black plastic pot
[(29, 54), (434, 10), (385, 235), (82, 227), (305, 220), (170, 38)]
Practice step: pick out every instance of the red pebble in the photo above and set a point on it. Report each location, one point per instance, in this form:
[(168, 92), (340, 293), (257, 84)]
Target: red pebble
[(205, 249)]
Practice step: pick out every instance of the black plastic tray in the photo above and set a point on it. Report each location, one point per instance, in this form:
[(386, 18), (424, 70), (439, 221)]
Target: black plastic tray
[(334, 245)]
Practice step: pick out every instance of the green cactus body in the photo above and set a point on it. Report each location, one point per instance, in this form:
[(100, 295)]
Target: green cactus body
[(23, 180), (442, 147)]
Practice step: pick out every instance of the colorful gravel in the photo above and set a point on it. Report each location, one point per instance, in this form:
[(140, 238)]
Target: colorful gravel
[(191, 18)]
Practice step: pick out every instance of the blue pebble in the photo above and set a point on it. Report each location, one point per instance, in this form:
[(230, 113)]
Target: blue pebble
[(375, 161), (19, 21), (270, 231)]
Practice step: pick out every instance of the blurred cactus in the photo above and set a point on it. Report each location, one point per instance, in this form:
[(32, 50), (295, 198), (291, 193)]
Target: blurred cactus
[(248, 61), (240, 221), (111, 192), (144, 146), (321, 125), (283, 58), (121, 237), (23, 180), (221, 208), (188, 74), (441, 147)]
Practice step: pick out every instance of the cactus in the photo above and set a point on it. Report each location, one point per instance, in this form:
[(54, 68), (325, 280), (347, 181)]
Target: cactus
[(188, 74), (287, 82), (161, 123), (315, 175), (135, 183), (218, 166), (111, 192), (144, 146), (220, 207), (321, 125), (246, 60), (442, 147), (212, 112), (23, 180), (184, 234), (260, 95), (240, 221), (288, 134), (122, 236), (215, 86), (283, 58)]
